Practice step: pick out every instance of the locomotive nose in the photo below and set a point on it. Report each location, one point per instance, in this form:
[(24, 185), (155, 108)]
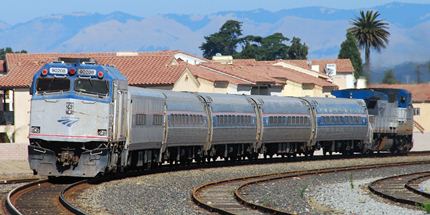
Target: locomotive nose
[(69, 119)]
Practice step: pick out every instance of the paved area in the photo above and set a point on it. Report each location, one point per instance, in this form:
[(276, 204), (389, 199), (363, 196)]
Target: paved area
[(13, 151), (13, 169), (13, 161), (421, 142)]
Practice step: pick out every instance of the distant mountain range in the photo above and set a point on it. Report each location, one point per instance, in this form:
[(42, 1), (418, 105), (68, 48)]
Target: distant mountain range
[(323, 29), (405, 72)]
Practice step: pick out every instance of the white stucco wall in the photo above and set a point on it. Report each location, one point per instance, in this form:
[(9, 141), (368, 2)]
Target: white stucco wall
[(21, 105), (424, 118), (344, 81)]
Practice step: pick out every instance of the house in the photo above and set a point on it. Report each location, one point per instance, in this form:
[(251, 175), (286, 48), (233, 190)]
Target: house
[(272, 79), (340, 71)]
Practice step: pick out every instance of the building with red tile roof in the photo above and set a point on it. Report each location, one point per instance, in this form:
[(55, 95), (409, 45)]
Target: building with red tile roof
[(342, 65)]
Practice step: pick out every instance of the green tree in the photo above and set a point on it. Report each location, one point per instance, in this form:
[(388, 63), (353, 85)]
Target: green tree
[(251, 47), (389, 77), (274, 47), (224, 41), (349, 50), (297, 50), (6, 50), (370, 32)]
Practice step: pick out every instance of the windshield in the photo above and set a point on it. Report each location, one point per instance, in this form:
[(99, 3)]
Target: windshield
[(46, 85), (91, 86)]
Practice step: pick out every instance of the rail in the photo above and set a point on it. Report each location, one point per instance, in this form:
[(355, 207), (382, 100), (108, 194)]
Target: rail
[(9, 203), (395, 189), (204, 199), (66, 203), (50, 191)]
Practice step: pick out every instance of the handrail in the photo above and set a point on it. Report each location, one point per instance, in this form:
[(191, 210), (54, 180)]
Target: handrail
[(419, 127)]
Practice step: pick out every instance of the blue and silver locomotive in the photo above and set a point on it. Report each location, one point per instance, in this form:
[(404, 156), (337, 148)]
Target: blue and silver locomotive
[(390, 114), (77, 114)]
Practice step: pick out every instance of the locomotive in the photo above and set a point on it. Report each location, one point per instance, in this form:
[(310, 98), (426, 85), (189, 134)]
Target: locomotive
[(86, 121), (391, 116)]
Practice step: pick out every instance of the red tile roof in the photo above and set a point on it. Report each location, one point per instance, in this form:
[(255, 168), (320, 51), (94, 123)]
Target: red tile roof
[(141, 70), (342, 65), (265, 72), (146, 70), (250, 73), (159, 68), (213, 75), (2, 67), (420, 92)]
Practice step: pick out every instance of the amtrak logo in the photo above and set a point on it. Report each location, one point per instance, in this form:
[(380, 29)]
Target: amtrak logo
[(68, 121)]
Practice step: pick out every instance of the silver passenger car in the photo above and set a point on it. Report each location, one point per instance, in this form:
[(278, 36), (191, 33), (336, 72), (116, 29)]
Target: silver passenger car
[(146, 128), (233, 127), (187, 119), (342, 124), (287, 124)]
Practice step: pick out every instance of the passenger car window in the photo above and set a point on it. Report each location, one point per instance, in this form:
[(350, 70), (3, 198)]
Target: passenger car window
[(157, 119), (140, 119)]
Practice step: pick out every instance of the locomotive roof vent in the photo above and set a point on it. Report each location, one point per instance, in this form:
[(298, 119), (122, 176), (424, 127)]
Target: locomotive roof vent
[(70, 60)]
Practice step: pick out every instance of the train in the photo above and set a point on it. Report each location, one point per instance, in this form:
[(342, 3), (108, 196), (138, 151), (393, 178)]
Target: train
[(86, 121)]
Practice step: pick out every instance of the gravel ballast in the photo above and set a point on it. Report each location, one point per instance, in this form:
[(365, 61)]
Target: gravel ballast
[(170, 193), (425, 186), (342, 192), (355, 201)]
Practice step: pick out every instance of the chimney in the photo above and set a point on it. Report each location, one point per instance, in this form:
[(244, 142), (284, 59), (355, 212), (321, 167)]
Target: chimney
[(315, 68), (226, 59)]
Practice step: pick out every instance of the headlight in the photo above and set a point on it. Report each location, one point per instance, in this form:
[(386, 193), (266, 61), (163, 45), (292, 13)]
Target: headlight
[(102, 132), (69, 108), (35, 129)]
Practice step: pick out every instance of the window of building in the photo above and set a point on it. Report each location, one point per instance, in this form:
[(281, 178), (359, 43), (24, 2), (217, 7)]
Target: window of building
[(417, 111)]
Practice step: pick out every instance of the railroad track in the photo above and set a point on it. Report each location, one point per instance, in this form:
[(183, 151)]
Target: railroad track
[(226, 197), (7, 185), (402, 188), (55, 197), (43, 197)]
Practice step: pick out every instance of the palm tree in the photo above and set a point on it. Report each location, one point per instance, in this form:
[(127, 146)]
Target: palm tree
[(370, 32)]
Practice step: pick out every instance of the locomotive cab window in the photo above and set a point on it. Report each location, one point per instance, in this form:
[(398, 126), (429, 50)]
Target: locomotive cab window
[(49, 85), (92, 86)]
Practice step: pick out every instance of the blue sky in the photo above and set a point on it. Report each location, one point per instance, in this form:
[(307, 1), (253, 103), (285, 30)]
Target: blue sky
[(15, 11)]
